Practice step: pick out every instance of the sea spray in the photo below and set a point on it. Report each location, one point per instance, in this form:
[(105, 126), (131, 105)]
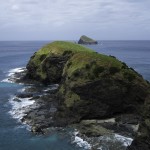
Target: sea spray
[(80, 142), (11, 74), (105, 142), (19, 106)]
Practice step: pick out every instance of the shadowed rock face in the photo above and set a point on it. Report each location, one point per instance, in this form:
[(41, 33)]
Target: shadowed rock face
[(86, 40), (52, 66), (140, 143), (92, 85), (108, 97), (142, 139)]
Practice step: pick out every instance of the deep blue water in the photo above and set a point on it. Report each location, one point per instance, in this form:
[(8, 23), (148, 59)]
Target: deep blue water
[(14, 135)]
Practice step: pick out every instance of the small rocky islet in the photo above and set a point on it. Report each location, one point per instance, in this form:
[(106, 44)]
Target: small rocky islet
[(97, 94), (86, 40)]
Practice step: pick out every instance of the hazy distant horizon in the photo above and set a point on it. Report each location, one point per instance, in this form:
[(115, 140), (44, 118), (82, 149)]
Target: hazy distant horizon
[(69, 19), (62, 40)]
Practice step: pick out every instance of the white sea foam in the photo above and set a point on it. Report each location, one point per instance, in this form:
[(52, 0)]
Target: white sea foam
[(80, 142), (15, 70), (21, 90), (7, 80), (19, 107), (105, 142), (11, 74), (125, 140), (116, 138)]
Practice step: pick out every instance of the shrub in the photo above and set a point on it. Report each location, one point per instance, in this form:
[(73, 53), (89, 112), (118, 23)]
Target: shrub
[(112, 56), (114, 70), (97, 70), (42, 57), (69, 64), (129, 75), (87, 66), (77, 73), (67, 52), (124, 65)]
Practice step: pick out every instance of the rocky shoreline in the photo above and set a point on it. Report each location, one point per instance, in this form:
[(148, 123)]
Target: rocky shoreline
[(47, 102), (47, 105), (41, 116)]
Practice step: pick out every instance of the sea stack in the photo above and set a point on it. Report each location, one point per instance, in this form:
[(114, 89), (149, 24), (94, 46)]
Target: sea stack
[(86, 40)]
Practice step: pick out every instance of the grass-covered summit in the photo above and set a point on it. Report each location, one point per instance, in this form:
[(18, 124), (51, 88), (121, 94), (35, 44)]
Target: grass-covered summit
[(92, 85), (75, 56)]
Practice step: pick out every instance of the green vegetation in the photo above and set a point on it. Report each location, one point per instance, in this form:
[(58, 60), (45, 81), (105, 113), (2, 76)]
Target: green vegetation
[(59, 47), (77, 66), (90, 61), (92, 85), (81, 58), (87, 39), (56, 48), (71, 98)]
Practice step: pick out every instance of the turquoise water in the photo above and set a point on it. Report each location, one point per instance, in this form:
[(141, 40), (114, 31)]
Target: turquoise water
[(13, 134)]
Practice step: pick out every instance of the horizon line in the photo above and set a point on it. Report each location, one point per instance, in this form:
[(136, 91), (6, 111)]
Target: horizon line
[(71, 40)]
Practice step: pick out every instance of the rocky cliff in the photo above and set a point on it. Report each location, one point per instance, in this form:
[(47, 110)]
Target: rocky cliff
[(142, 139), (86, 40), (91, 85)]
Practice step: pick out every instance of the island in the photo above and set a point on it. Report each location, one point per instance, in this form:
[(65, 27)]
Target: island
[(97, 94), (86, 40)]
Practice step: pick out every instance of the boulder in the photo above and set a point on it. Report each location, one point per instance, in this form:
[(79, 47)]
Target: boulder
[(24, 95)]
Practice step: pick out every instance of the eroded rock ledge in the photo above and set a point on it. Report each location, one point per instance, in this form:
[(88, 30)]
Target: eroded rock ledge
[(91, 85)]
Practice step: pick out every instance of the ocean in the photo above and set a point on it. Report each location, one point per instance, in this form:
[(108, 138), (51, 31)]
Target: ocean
[(14, 135)]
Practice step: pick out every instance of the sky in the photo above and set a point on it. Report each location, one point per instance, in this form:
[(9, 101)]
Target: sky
[(69, 19)]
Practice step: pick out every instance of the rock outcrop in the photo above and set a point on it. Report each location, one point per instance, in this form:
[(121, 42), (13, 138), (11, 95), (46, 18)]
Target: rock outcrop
[(91, 85), (86, 40), (142, 139)]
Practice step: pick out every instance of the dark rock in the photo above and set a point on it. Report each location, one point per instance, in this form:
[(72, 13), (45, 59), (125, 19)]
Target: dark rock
[(142, 139), (140, 144), (86, 40), (31, 90), (24, 95), (17, 100), (97, 103), (36, 129), (35, 97), (52, 66), (128, 119), (92, 86)]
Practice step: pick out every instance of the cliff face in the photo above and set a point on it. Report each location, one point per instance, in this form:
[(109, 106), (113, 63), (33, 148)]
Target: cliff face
[(86, 40), (97, 84), (142, 139), (92, 85)]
